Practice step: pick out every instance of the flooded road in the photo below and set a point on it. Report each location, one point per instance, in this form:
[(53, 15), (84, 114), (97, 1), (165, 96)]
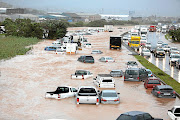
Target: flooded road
[(25, 80)]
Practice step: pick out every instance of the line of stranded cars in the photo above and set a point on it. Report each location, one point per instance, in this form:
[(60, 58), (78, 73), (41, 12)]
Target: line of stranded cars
[(90, 94)]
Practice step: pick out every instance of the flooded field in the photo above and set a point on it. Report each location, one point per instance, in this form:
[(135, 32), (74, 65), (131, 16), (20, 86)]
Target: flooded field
[(25, 79)]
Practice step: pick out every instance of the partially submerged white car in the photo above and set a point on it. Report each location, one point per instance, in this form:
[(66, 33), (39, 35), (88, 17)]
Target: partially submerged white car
[(62, 92), (174, 113), (81, 74)]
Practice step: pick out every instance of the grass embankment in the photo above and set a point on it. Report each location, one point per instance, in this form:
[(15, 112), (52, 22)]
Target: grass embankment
[(12, 46), (159, 73), (167, 36)]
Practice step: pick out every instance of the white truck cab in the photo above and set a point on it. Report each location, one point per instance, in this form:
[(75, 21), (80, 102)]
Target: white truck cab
[(62, 92), (104, 81), (81, 74)]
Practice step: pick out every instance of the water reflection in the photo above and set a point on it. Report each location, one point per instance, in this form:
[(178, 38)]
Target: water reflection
[(157, 62), (172, 71), (164, 63)]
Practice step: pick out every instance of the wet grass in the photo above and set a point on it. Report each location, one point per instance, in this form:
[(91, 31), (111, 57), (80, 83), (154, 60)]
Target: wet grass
[(12, 46), (159, 73), (167, 36)]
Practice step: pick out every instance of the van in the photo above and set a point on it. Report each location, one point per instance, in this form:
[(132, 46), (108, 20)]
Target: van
[(135, 74)]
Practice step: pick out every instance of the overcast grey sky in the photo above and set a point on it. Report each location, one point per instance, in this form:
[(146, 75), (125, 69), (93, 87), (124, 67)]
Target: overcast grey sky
[(141, 7)]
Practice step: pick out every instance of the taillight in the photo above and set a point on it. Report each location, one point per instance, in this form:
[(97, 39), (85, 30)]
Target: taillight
[(59, 96), (174, 92), (106, 61), (117, 99), (77, 100), (124, 77), (103, 100), (158, 92), (56, 53), (151, 75), (138, 78), (97, 100)]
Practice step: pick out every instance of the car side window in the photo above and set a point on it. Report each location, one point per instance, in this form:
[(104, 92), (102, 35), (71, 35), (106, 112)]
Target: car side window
[(124, 117), (147, 116), (140, 117), (74, 90)]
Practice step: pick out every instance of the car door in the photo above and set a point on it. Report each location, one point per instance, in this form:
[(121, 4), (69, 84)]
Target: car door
[(65, 93), (143, 74)]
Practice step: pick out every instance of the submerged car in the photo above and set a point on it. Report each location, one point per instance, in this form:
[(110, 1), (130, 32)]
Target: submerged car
[(116, 73), (174, 113), (148, 45), (163, 91), (149, 72), (146, 52), (109, 97), (61, 92), (86, 59), (174, 58), (159, 52), (106, 59), (151, 83), (132, 64), (173, 50), (136, 115), (96, 52)]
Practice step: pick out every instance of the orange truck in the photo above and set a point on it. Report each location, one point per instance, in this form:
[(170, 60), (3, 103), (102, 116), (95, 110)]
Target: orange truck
[(152, 28)]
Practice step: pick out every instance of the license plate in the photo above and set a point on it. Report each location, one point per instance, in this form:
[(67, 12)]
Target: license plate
[(130, 78), (167, 94)]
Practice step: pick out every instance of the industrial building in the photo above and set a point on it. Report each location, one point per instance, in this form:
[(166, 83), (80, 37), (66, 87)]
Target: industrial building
[(115, 17)]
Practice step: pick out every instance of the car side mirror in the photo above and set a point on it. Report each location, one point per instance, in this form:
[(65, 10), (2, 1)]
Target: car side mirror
[(98, 91), (94, 78)]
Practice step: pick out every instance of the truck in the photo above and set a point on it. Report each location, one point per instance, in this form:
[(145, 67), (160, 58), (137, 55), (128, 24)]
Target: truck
[(164, 29), (144, 30), (134, 42), (108, 28), (71, 48), (115, 42), (174, 113), (81, 74), (152, 28), (62, 92), (134, 32), (104, 81), (87, 95)]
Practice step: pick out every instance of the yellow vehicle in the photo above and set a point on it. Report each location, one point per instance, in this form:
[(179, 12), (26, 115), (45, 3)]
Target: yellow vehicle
[(134, 42)]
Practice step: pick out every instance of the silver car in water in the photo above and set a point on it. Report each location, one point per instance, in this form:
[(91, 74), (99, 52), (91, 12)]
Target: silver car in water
[(109, 97)]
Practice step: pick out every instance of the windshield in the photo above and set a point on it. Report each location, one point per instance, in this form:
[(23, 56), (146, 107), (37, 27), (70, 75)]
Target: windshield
[(160, 50), (89, 58), (109, 94), (146, 50), (175, 56), (153, 82), (81, 73), (135, 42), (87, 90), (132, 72)]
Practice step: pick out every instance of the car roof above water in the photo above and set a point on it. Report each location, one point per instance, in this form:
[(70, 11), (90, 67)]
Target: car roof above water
[(134, 113), (104, 75)]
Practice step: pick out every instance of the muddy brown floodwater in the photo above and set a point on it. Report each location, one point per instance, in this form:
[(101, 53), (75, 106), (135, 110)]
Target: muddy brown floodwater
[(25, 79)]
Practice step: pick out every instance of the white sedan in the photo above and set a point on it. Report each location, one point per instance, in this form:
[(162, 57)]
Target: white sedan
[(106, 59), (146, 52)]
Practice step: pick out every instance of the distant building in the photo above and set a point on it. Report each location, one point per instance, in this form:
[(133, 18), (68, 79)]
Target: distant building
[(137, 19), (88, 17), (52, 17), (115, 17), (10, 11), (3, 10), (72, 17), (24, 16)]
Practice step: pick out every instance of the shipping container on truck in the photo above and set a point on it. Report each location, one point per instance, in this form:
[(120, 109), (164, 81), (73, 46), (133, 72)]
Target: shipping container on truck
[(115, 42), (152, 28), (108, 28)]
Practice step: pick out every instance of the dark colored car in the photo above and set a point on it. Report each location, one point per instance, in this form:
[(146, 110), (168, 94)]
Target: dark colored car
[(86, 59), (151, 83), (136, 115), (159, 52), (116, 73), (164, 91), (135, 74), (177, 64)]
